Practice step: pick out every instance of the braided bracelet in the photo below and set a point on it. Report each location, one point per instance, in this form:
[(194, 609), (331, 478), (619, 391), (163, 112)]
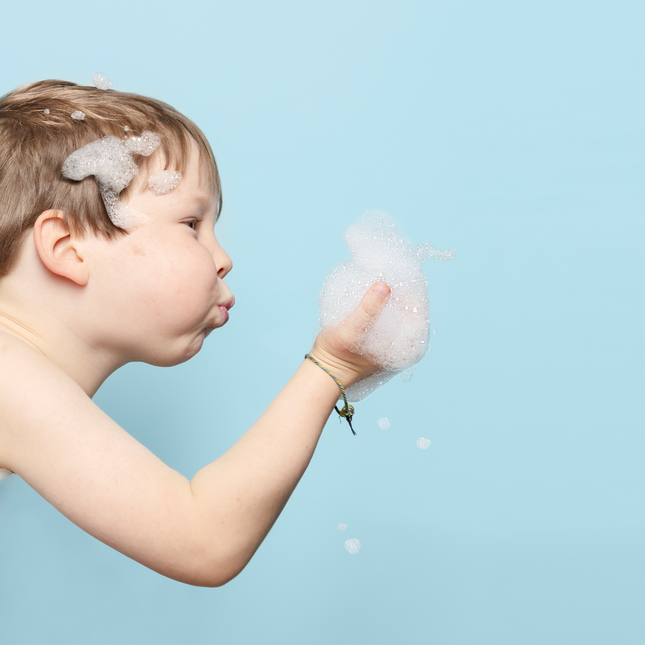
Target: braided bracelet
[(348, 410)]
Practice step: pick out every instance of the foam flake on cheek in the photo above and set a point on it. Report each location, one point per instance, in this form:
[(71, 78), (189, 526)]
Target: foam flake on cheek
[(101, 81), (78, 115), (397, 338), (161, 183)]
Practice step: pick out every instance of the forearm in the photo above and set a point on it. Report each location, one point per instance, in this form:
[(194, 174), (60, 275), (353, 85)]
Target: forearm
[(241, 494)]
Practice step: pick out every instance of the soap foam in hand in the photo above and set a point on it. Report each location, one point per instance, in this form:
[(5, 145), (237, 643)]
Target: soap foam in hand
[(398, 338)]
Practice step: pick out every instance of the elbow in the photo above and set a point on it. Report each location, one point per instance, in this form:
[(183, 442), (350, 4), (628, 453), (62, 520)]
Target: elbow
[(210, 572), (210, 579)]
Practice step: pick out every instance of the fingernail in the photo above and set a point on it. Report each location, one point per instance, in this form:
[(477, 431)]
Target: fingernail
[(381, 288)]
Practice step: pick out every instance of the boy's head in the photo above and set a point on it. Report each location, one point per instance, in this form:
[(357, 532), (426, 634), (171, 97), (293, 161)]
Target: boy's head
[(38, 133)]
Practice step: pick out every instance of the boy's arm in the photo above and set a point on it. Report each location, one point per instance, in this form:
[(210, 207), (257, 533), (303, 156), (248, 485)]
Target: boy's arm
[(202, 532)]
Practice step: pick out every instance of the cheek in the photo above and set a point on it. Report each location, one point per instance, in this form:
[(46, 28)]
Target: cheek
[(188, 277)]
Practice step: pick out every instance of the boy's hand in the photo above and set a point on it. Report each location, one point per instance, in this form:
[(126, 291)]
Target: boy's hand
[(336, 346)]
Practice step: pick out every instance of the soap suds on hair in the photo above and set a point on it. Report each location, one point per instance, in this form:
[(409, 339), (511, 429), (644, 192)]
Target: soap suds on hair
[(423, 443), (78, 115), (353, 546), (101, 81), (110, 161), (383, 423), (161, 183), (398, 338), (46, 110)]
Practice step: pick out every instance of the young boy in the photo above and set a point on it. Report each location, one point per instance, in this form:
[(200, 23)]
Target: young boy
[(81, 296)]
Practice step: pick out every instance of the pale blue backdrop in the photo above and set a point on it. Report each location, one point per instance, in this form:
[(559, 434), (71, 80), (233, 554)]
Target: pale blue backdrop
[(513, 132)]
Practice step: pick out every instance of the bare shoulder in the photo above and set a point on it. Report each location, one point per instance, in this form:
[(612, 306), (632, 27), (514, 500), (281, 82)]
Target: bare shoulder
[(65, 447), (23, 370), (36, 399)]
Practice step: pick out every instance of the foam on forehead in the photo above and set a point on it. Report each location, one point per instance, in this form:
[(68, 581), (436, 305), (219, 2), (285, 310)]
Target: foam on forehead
[(398, 337), (164, 182)]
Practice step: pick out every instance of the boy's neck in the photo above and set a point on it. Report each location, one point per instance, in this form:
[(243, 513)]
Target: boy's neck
[(41, 330)]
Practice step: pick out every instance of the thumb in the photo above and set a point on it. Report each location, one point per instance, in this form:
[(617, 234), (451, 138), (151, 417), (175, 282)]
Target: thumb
[(370, 306)]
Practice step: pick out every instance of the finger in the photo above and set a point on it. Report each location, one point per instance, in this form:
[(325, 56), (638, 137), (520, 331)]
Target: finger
[(370, 306)]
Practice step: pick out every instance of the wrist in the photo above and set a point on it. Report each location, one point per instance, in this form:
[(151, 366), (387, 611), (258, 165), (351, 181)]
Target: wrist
[(340, 370), (346, 411)]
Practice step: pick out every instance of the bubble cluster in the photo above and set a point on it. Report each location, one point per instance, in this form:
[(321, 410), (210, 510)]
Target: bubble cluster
[(161, 183), (398, 338), (341, 527), (353, 546), (101, 81), (111, 163), (78, 115), (383, 423), (423, 443)]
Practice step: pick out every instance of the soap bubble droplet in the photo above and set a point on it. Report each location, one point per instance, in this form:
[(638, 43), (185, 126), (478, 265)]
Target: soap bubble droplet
[(423, 443), (101, 81), (383, 423), (341, 527), (353, 546)]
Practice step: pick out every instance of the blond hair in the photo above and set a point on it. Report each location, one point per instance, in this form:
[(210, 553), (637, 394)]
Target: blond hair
[(37, 134)]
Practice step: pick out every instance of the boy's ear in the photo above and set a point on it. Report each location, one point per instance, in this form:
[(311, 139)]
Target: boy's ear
[(58, 248)]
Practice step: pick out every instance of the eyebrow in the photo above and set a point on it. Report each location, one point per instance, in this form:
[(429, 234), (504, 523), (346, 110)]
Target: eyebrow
[(202, 203)]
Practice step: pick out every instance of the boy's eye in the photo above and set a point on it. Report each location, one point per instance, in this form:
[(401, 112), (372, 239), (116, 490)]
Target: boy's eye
[(192, 223)]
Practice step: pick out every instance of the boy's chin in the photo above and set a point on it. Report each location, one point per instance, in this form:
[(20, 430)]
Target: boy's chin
[(183, 354)]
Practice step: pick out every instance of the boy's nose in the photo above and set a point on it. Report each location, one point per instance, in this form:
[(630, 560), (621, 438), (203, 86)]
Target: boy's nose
[(223, 262)]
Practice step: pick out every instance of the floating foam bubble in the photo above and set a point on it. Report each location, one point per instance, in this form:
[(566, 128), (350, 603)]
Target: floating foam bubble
[(353, 546), (101, 81), (383, 423), (341, 527), (161, 183), (127, 128), (46, 110), (423, 443), (110, 161), (78, 115), (398, 337)]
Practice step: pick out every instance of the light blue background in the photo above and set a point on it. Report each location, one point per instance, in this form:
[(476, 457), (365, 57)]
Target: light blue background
[(512, 132)]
